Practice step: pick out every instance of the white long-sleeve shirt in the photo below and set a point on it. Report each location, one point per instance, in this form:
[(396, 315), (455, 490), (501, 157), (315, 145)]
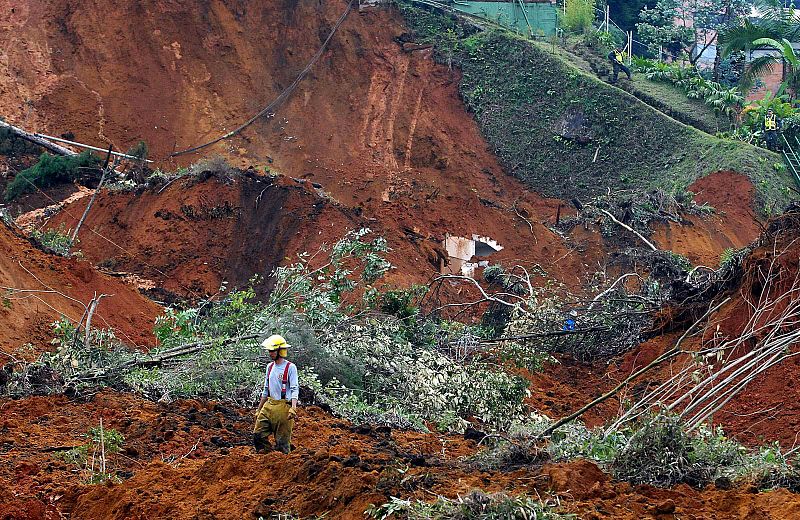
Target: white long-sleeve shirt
[(273, 383)]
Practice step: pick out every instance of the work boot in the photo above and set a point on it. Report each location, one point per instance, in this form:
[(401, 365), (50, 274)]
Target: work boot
[(261, 443), (282, 446)]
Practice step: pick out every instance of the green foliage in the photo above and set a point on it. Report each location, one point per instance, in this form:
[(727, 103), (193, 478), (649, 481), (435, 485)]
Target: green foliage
[(578, 16), (49, 171), (682, 26), (56, 240), (603, 41), (680, 261), (727, 257), (475, 506), (661, 452), (91, 456), (657, 27), (404, 305), (656, 450), (726, 100), (525, 355)]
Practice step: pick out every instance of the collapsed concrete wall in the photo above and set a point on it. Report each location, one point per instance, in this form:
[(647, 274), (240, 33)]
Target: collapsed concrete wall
[(462, 250)]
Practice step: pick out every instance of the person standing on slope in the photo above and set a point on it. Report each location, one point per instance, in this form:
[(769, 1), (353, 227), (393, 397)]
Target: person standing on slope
[(278, 406), (771, 127), (617, 59)]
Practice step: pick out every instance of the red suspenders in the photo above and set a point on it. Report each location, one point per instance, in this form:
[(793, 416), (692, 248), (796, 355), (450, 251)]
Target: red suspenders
[(284, 382)]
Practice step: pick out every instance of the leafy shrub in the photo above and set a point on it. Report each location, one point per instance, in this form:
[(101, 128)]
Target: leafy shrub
[(522, 444), (728, 257), (49, 171), (477, 505), (578, 15), (91, 457), (723, 99), (56, 240), (525, 355), (402, 303), (662, 453), (603, 41), (682, 263), (214, 164)]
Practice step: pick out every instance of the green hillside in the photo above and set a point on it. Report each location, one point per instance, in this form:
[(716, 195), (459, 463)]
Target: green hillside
[(566, 133)]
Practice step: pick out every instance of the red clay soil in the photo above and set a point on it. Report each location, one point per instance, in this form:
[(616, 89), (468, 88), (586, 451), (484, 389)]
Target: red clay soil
[(769, 409), (197, 234), (733, 224), (382, 130), (190, 460), (56, 285)]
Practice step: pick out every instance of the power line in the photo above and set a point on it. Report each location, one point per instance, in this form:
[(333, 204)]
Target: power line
[(283, 95)]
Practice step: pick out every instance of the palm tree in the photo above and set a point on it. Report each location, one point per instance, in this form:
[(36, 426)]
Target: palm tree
[(775, 28), (786, 57)]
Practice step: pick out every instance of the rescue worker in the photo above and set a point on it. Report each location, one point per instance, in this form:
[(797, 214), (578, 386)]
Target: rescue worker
[(771, 126), (617, 59), (278, 406)]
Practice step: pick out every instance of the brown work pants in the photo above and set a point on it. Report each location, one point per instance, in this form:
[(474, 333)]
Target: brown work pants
[(273, 419)]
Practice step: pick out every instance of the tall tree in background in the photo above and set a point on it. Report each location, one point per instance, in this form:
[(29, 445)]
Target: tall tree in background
[(625, 13), (657, 28), (691, 26)]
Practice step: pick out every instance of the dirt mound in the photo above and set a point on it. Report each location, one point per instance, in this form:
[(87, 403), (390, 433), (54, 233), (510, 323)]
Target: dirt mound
[(39, 288), (190, 459), (382, 130), (196, 234), (732, 225)]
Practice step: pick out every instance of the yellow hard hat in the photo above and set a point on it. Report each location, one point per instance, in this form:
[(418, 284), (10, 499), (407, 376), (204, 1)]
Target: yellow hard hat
[(276, 342)]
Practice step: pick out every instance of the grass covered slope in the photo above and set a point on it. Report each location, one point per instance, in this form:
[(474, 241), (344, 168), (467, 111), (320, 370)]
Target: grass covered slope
[(524, 95), (665, 97)]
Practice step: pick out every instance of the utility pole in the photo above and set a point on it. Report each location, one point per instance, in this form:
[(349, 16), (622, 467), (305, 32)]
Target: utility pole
[(630, 47)]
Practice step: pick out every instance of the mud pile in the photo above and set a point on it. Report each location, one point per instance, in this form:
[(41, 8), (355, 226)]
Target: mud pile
[(39, 288), (382, 130), (189, 237), (190, 459)]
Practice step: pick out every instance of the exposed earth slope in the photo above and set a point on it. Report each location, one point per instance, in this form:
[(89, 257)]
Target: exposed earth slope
[(51, 286), (379, 135)]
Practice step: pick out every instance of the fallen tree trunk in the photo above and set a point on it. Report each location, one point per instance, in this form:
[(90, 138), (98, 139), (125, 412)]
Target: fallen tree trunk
[(625, 226), (100, 374), (669, 354), (19, 132)]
